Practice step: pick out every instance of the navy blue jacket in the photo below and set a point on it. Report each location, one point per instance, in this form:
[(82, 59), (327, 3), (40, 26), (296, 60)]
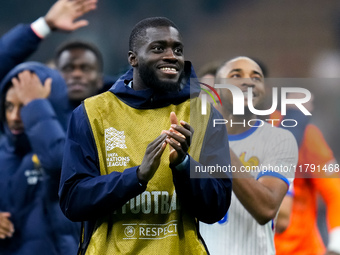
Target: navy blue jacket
[(30, 170), (15, 46), (85, 195)]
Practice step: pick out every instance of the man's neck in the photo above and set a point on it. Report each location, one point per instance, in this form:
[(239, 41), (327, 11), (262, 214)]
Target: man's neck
[(138, 83)]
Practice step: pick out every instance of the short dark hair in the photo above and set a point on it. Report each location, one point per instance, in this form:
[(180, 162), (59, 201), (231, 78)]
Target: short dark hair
[(138, 32), (79, 44), (257, 61)]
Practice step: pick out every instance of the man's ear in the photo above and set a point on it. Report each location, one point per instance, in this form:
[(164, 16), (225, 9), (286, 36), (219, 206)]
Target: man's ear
[(132, 58)]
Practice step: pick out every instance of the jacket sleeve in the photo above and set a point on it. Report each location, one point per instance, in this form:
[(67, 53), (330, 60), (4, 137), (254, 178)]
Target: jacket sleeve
[(84, 193), (207, 195), (45, 133), (15, 46)]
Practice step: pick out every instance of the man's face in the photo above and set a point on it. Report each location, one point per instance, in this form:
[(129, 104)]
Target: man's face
[(12, 112), (243, 73), (80, 69), (160, 59)]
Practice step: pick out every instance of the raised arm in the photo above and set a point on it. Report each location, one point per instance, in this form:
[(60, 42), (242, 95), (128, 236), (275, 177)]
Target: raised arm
[(44, 131), (23, 40), (63, 14)]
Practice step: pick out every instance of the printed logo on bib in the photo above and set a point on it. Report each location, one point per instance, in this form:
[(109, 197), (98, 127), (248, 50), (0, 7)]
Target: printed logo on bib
[(112, 159), (115, 139), (154, 202), (130, 231), (150, 231)]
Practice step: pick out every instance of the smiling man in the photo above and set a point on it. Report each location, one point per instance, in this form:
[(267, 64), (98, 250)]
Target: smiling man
[(258, 151), (135, 195), (163, 76)]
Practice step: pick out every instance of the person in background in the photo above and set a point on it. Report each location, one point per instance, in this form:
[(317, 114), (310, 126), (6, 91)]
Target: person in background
[(316, 174), (79, 62), (81, 65), (33, 117), (23, 40), (256, 148)]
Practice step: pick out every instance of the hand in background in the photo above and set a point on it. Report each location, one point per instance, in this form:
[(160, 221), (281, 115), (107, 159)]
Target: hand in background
[(63, 14), (28, 87), (6, 226)]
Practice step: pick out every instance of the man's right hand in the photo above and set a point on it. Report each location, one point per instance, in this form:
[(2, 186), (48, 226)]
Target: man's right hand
[(152, 158), (28, 87), (6, 226), (63, 14)]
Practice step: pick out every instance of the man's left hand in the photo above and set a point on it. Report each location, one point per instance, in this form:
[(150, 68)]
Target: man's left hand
[(179, 139)]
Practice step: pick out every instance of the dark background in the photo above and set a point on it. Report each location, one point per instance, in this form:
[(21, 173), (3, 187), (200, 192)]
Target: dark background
[(288, 36)]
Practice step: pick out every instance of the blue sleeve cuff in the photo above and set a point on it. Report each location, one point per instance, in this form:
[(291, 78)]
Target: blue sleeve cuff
[(273, 174), (131, 174), (183, 165), (141, 183)]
